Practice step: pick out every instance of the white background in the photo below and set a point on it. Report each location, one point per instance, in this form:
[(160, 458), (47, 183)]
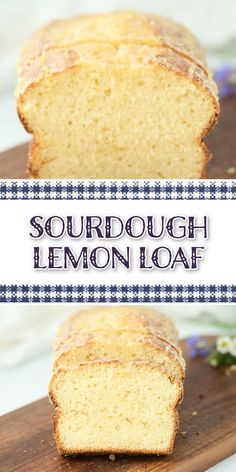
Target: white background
[(16, 247)]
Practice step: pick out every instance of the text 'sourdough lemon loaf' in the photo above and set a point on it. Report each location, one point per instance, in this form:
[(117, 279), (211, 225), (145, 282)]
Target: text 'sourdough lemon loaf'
[(116, 95), (117, 382)]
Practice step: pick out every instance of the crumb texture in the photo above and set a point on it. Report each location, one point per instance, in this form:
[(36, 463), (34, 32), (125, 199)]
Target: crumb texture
[(117, 382), (116, 95)]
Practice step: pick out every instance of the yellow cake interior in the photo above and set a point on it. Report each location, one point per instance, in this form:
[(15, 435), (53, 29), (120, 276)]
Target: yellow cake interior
[(115, 408), (117, 381), (117, 121)]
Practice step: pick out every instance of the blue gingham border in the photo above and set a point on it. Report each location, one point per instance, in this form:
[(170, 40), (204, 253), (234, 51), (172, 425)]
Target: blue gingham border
[(118, 293), (118, 190)]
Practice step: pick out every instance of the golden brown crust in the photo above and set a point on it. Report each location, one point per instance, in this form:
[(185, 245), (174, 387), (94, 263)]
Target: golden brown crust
[(127, 27), (99, 329), (84, 324), (32, 161), (178, 38), (66, 43), (65, 350), (114, 450)]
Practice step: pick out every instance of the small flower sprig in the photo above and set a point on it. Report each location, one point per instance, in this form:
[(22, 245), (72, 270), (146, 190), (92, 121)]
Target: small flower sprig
[(198, 346), (225, 78), (225, 353)]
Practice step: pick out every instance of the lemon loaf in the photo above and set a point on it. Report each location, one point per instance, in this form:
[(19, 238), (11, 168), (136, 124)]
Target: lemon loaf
[(116, 387), (116, 95)]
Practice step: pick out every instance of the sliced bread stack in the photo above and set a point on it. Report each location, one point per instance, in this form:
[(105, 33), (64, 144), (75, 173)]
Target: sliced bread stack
[(117, 382)]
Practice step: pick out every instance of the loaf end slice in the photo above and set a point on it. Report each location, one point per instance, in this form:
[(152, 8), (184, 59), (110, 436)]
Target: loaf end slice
[(112, 407), (120, 95)]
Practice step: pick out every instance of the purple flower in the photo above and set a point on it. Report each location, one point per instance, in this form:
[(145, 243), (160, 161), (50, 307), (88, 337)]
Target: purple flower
[(225, 78), (198, 346)]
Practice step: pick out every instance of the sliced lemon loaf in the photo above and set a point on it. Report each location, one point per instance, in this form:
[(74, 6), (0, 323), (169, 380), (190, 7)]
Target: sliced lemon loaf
[(116, 95), (120, 333), (116, 387)]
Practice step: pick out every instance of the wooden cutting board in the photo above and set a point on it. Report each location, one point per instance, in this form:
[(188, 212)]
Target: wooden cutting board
[(205, 438), (221, 142)]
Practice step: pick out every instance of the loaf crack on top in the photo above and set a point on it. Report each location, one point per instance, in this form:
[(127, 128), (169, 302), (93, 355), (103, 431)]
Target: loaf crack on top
[(116, 95)]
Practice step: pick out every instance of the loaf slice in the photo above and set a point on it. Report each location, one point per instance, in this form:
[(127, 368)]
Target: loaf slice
[(119, 333), (117, 95), (111, 407), (126, 347), (117, 381)]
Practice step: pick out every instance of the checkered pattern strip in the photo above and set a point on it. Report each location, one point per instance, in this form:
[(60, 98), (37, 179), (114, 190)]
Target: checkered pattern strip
[(118, 293), (117, 190)]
